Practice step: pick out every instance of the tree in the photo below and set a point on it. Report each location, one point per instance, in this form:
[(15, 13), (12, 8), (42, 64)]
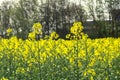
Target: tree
[(58, 15), (99, 13), (5, 17), (25, 14), (55, 15), (113, 7)]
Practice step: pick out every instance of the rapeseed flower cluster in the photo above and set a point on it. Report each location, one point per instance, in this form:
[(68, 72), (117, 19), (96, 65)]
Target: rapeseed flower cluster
[(54, 35), (76, 28), (76, 32), (9, 31), (37, 30), (32, 35)]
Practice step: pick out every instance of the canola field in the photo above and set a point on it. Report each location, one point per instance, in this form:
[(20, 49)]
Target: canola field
[(80, 58)]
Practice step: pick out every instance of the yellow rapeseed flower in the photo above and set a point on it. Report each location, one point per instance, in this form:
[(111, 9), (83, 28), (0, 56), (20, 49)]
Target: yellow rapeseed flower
[(68, 36), (37, 27), (76, 28), (3, 78), (90, 71), (32, 35), (54, 35), (20, 70), (76, 32), (9, 30), (71, 60), (92, 62), (79, 64)]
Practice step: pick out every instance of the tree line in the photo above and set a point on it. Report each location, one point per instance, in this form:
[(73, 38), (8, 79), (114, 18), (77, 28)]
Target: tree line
[(56, 15)]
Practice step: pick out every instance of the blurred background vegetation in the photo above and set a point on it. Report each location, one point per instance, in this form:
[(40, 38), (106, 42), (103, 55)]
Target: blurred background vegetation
[(59, 15)]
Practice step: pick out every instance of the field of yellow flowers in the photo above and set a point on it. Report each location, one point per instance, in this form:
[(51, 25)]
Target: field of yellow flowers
[(79, 58)]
